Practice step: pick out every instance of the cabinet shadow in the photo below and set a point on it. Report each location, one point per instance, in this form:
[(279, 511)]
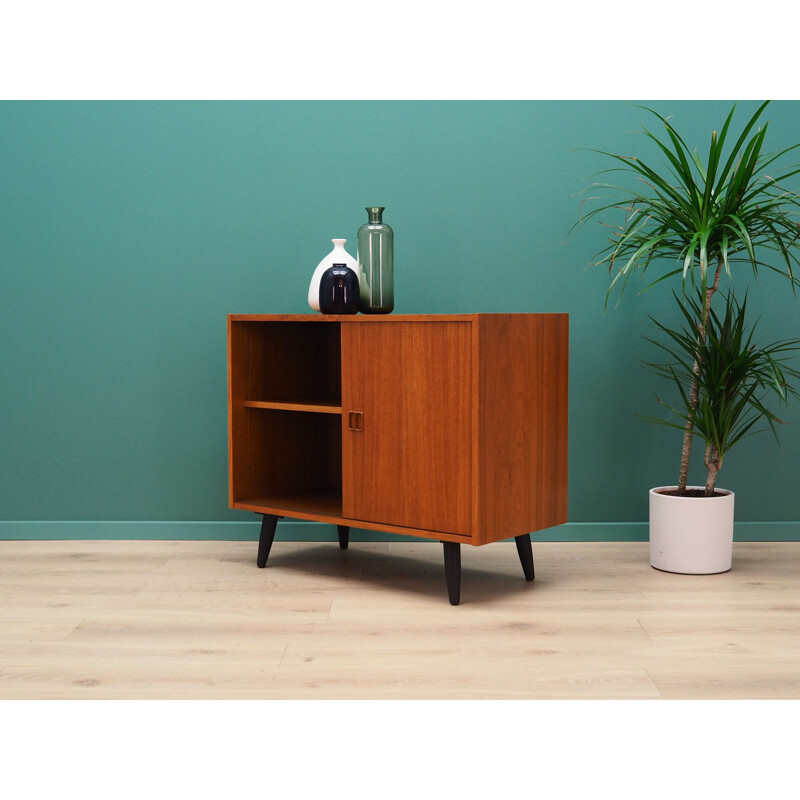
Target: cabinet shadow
[(418, 574)]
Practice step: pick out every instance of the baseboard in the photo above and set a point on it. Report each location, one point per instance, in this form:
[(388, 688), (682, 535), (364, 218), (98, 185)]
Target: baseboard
[(296, 531)]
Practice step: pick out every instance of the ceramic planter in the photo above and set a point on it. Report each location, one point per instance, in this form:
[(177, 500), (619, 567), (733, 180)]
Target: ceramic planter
[(691, 535)]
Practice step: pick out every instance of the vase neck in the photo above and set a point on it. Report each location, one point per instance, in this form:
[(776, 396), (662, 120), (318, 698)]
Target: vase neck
[(375, 213), (338, 244)]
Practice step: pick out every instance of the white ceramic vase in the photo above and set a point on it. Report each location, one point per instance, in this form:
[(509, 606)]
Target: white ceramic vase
[(337, 256), (691, 535)]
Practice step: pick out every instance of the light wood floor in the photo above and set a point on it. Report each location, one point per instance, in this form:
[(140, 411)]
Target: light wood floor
[(173, 620)]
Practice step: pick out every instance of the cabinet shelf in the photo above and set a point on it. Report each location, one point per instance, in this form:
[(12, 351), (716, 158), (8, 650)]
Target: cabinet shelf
[(313, 405), (309, 505)]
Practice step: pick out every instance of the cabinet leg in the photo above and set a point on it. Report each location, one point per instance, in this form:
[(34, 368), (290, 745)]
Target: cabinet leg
[(525, 555), (344, 536), (268, 525), (452, 571)]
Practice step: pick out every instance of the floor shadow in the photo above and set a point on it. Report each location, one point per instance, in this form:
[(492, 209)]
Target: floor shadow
[(418, 574)]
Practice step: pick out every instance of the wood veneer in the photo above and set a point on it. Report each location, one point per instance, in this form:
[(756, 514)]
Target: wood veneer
[(411, 463)]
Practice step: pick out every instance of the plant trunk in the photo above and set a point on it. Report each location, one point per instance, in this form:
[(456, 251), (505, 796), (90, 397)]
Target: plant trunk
[(694, 397), (713, 465), (694, 390)]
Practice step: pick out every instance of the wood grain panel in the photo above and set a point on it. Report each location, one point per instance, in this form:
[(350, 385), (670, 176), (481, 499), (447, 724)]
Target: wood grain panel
[(411, 463), (355, 319), (522, 412), (326, 507), (314, 406)]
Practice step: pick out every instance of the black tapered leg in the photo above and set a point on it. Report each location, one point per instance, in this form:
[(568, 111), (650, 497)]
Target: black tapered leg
[(344, 536), (525, 555), (452, 571), (268, 525)]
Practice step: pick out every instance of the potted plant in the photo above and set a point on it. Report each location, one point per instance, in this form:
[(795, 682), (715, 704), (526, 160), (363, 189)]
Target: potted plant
[(693, 221), (692, 531)]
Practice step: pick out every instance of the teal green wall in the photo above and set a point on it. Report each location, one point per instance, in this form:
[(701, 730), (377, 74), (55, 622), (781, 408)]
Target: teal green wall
[(128, 230)]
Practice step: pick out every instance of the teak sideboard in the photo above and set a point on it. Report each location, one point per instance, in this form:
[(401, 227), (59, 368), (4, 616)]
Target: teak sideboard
[(448, 427)]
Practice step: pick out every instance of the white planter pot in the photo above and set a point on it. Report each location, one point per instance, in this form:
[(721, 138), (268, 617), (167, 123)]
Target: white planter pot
[(691, 535)]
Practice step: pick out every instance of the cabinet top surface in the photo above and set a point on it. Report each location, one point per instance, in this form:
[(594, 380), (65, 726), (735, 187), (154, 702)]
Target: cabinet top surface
[(371, 318)]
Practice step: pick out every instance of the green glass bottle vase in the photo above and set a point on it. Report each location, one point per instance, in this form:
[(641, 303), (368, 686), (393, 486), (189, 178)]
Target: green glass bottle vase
[(374, 252)]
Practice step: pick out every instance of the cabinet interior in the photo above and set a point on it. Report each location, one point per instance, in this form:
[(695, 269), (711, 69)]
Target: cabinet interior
[(287, 362), (286, 427)]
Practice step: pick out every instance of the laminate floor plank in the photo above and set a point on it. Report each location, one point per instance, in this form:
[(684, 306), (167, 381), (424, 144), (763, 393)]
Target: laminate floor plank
[(174, 620)]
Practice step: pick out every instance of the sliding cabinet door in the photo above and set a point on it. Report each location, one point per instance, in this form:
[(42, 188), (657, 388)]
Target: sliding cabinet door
[(407, 424)]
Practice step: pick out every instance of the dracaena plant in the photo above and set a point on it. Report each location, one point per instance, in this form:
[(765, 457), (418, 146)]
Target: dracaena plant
[(737, 377), (693, 219)]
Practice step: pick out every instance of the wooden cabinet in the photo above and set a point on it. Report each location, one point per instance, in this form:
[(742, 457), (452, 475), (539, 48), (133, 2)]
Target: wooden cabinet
[(449, 427)]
